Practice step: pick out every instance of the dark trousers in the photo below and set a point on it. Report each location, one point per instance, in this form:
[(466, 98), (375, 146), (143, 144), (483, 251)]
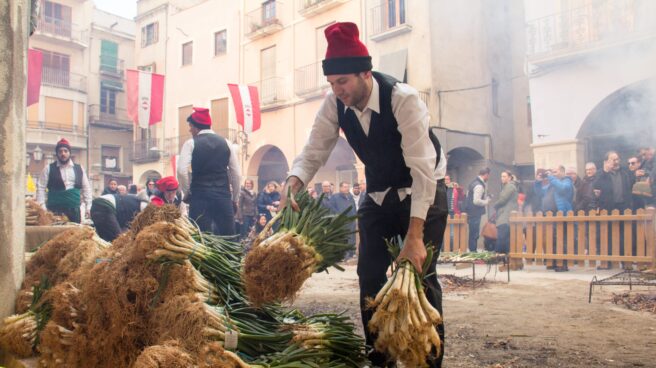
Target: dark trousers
[(73, 214), (377, 223), (245, 226), (474, 223), (212, 214), (503, 239)]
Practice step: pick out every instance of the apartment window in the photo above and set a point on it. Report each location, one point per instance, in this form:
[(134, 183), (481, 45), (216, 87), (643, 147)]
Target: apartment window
[(149, 34), (57, 18), (110, 158), (220, 42), (107, 101), (55, 68), (187, 53), (395, 10), (268, 11)]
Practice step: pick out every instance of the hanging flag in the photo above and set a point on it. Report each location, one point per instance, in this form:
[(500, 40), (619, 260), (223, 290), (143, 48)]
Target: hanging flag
[(145, 97), (247, 106), (34, 63)]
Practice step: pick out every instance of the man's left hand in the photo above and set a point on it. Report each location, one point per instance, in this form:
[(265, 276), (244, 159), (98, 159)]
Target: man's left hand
[(414, 250)]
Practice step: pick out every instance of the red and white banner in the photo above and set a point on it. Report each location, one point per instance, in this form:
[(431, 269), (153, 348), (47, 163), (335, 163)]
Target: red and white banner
[(34, 63), (145, 97), (247, 106)]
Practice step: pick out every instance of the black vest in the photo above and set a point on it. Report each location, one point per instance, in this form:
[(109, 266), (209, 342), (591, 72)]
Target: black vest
[(55, 181), (127, 206), (209, 165), (473, 209), (380, 151)]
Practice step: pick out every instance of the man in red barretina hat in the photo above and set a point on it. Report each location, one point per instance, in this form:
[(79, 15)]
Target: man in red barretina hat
[(66, 183), (207, 170), (387, 125)]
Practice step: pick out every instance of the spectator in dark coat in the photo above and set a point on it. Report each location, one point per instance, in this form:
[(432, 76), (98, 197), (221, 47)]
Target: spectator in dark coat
[(613, 186), (327, 192), (111, 188), (268, 200), (358, 195), (247, 209), (585, 199)]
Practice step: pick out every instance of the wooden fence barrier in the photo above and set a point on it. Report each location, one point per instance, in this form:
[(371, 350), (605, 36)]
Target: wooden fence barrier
[(456, 235), (628, 237)]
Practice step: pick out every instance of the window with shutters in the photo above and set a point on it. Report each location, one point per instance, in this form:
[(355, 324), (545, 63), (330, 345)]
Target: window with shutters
[(108, 56), (57, 18), (55, 68), (107, 101), (110, 158), (149, 34), (187, 53), (220, 42)]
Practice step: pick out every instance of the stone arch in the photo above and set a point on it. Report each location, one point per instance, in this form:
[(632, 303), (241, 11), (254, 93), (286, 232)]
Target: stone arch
[(268, 164), (150, 174), (623, 121), (463, 164)]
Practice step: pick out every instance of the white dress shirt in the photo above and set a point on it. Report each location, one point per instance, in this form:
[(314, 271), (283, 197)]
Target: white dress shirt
[(184, 166), (418, 151), (68, 176)]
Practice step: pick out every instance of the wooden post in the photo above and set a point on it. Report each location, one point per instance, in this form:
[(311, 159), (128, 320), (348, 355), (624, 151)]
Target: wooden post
[(580, 238), (530, 240), (615, 228), (603, 235)]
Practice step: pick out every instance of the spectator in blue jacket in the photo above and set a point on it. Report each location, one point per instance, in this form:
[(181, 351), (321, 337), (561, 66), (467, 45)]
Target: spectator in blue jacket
[(342, 201), (564, 197), (564, 189)]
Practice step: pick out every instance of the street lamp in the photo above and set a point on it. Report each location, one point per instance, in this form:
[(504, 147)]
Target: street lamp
[(38, 154)]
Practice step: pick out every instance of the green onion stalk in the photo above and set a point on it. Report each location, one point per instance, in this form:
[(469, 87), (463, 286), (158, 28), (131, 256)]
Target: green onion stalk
[(213, 257), (256, 336), (306, 241), (330, 332), (404, 320), (296, 356), (20, 332)]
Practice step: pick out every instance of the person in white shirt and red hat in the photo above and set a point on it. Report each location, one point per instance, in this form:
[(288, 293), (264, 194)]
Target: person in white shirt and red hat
[(209, 176), (387, 125), (67, 184)]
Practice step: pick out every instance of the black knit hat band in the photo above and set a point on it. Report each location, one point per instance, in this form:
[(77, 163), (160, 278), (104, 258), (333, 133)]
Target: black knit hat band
[(346, 65)]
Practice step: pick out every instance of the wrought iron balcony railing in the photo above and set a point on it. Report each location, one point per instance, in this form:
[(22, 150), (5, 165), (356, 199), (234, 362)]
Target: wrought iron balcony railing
[(309, 79), (265, 20), (63, 78)]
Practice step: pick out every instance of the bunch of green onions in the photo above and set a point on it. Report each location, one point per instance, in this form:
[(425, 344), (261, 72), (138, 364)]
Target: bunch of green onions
[(216, 259), (20, 332), (307, 241)]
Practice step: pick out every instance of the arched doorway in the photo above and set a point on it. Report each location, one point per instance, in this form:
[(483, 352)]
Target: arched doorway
[(463, 164), (339, 167), (624, 121), (268, 164), (150, 174)]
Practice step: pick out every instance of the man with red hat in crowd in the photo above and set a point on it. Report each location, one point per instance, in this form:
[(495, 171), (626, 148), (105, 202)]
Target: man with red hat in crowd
[(208, 169), (168, 193), (387, 125), (67, 185)]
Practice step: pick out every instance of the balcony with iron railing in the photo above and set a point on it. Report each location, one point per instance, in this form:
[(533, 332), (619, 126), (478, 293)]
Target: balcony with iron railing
[(308, 8), (387, 20), (63, 78), (309, 80), (263, 21), (60, 127), (599, 25), (109, 117), (61, 31), (273, 92), (111, 66), (146, 150)]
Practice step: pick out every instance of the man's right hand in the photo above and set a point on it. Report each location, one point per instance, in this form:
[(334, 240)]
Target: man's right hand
[(294, 184)]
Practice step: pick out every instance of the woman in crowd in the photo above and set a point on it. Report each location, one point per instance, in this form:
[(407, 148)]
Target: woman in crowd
[(506, 203), (268, 200)]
